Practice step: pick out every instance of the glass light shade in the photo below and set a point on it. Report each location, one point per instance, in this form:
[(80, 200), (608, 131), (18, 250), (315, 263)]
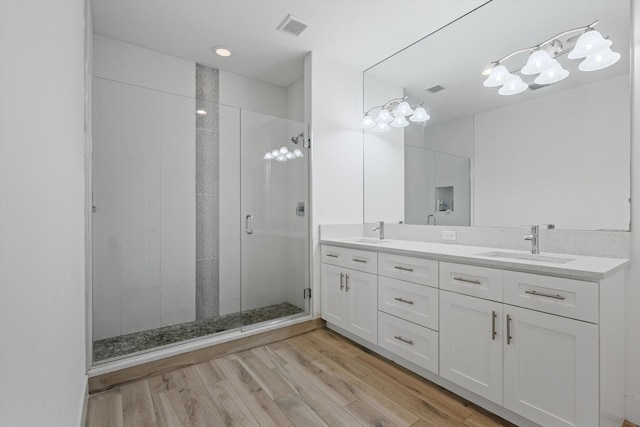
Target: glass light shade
[(539, 61), (268, 156), (275, 153), (281, 158), (420, 115), (513, 87), (589, 43), (552, 75), (498, 76), (289, 156), (403, 109), (297, 152), (399, 122), (367, 122), (284, 150), (384, 116), (599, 60), (382, 127)]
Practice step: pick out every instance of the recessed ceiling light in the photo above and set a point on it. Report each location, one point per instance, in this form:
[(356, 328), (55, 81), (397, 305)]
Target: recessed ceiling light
[(222, 51), (201, 112)]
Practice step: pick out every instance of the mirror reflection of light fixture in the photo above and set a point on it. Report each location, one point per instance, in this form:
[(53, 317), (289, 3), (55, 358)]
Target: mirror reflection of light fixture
[(513, 86), (591, 45), (393, 114), (282, 153), (498, 76)]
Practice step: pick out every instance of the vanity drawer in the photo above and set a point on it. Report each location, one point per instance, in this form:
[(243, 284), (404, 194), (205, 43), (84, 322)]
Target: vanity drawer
[(409, 301), (333, 255), (366, 261), (565, 297), (471, 280), (414, 343), (416, 270)]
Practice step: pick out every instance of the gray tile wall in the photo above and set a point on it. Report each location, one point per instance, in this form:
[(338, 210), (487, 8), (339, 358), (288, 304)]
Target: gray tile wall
[(207, 194)]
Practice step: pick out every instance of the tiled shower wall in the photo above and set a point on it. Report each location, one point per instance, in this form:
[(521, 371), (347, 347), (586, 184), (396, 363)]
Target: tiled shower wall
[(207, 193)]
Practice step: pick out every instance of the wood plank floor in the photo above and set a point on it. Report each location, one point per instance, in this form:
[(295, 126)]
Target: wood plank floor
[(315, 379)]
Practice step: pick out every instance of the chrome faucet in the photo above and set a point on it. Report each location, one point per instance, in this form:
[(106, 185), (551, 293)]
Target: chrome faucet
[(381, 228), (534, 236)]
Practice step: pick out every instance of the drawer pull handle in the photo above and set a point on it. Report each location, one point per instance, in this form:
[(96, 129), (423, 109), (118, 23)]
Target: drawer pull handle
[(508, 329), (346, 282), (360, 260), (462, 279), (403, 300), (540, 294), (341, 285), (399, 338), (493, 325), (403, 268), (332, 255)]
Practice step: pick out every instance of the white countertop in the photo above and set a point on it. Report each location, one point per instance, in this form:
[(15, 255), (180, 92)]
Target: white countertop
[(578, 266)]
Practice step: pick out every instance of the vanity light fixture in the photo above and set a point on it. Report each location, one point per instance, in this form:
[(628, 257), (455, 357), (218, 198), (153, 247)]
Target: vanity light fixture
[(591, 46), (201, 112), (393, 114)]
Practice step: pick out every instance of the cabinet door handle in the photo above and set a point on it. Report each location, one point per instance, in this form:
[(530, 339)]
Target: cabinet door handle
[(403, 300), (403, 268), (540, 294), (346, 282), (508, 329), (493, 325), (360, 260), (462, 279), (399, 338), (341, 285), (332, 255)]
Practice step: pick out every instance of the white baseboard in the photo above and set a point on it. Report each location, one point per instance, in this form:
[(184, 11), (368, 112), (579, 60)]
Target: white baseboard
[(633, 409)]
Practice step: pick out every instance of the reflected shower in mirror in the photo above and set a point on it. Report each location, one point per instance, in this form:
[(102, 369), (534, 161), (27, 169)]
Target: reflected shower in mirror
[(557, 152)]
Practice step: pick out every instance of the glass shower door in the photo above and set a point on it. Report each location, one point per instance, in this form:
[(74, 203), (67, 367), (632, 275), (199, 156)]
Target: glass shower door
[(275, 213)]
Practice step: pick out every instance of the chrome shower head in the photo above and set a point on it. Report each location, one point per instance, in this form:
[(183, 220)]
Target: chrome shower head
[(297, 139)]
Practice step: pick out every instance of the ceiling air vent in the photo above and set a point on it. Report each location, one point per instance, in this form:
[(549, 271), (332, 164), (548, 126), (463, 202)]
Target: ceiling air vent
[(293, 25), (435, 89)]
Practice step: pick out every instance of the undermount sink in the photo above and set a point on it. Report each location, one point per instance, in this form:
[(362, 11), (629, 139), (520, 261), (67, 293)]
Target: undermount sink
[(530, 257), (370, 240)]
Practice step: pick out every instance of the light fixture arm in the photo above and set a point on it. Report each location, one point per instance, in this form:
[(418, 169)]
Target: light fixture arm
[(550, 41), (395, 100)]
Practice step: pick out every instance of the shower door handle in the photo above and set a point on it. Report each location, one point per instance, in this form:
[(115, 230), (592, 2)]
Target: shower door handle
[(248, 224)]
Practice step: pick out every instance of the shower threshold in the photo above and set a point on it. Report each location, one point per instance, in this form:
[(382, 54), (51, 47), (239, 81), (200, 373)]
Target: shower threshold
[(116, 347)]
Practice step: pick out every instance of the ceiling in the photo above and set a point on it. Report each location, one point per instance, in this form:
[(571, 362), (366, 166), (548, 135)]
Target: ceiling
[(359, 33)]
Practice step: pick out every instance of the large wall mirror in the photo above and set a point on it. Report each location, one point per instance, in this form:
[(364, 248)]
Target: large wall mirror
[(554, 153)]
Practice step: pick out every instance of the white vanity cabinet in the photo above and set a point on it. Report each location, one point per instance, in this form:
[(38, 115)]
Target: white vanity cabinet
[(528, 359), (471, 344), (536, 344), (350, 295), (408, 308)]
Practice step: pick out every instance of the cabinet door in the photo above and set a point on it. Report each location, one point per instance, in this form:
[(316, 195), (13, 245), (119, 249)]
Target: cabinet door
[(334, 298), (362, 304), (470, 351), (551, 368)]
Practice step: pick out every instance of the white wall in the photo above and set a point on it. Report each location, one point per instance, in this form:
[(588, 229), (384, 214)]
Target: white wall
[(42, 215), (515, 142), (335, 112), (633, 285), (249, 94), (384, 183), (295, 100), (143, 189)]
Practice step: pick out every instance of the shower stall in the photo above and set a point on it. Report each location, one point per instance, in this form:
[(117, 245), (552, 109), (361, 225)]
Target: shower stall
[(200, 221)]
